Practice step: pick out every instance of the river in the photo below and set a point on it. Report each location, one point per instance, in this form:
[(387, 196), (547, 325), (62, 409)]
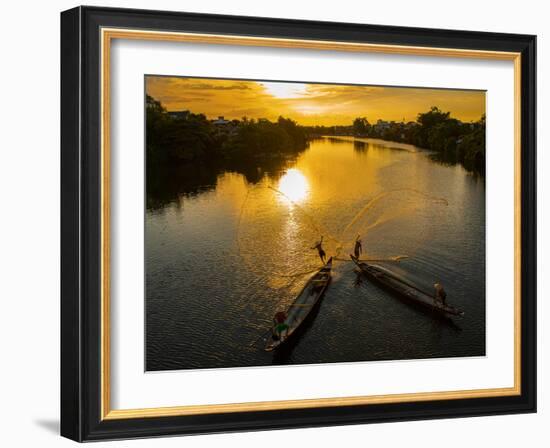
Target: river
[(227, 250)]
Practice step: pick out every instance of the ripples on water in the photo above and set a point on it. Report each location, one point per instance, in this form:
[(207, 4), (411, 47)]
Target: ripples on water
[(220, 262)]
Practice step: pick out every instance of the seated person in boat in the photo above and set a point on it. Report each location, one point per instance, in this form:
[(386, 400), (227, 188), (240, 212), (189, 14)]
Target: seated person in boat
[(319, 247), (358, 249), (440, 293), (279, 325)]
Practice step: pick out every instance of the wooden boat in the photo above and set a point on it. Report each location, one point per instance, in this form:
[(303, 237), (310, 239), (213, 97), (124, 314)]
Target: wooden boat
[(404, 290), (302, 307)]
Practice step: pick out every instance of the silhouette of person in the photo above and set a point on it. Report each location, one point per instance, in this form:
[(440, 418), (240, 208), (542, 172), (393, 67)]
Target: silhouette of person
[(319, 247), (358, 249)]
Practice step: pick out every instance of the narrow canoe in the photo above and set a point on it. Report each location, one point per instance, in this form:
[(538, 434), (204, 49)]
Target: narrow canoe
[(305, 302), (404, 290)]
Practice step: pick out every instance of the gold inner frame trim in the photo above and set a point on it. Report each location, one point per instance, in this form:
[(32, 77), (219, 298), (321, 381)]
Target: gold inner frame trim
[(107, 35)]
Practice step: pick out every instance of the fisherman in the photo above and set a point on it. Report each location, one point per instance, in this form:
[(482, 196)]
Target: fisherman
[(279, 325), (440, 294), (358, 250), (319, 247)]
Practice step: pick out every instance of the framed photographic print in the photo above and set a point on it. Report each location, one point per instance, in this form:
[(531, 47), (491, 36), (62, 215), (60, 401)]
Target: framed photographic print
[(273, 223)]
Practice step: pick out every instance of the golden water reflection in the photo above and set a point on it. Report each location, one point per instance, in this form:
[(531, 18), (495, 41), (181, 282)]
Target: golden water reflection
[(293, 187), (230, 255)]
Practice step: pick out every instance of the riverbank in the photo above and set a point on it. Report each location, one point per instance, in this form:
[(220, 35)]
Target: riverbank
[(176, 139), (378, 141)]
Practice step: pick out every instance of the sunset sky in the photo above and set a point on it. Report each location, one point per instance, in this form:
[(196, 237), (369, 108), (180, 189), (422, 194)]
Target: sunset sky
[(309, 104)]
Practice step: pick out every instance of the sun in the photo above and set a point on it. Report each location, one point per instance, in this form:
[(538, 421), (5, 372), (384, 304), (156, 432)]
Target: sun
[(294, 187), (285, 90)]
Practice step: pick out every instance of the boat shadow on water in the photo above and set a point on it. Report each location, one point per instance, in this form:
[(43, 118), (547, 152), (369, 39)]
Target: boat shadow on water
[(362, 281)]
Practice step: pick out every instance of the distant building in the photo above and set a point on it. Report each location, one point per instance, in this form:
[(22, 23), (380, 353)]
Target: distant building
[(381, 126), (221, 121), (225, 127), (182, 114)]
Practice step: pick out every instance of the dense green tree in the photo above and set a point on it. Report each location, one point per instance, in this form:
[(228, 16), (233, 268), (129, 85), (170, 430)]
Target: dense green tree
[(361, 127), (428, 121), (471, 148), (186, 137), (183, 138)]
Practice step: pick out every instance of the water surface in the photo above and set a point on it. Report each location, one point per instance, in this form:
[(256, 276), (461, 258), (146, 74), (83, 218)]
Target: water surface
[(225, 251)]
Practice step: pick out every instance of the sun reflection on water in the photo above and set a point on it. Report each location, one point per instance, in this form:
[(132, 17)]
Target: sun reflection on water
[(294, 187)]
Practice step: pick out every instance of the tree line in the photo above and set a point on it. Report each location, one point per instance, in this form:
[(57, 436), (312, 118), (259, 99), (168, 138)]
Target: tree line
[(185, 137), (451, 140), (189, 137)]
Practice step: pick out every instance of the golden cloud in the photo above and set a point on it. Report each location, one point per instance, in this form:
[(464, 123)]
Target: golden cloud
[(309, 104)]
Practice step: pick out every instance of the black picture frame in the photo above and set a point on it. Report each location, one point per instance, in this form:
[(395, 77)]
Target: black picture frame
[(81, 223)]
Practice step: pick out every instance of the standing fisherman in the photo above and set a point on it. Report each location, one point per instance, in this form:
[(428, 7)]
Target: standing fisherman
[(319, 247), (358, 250)]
